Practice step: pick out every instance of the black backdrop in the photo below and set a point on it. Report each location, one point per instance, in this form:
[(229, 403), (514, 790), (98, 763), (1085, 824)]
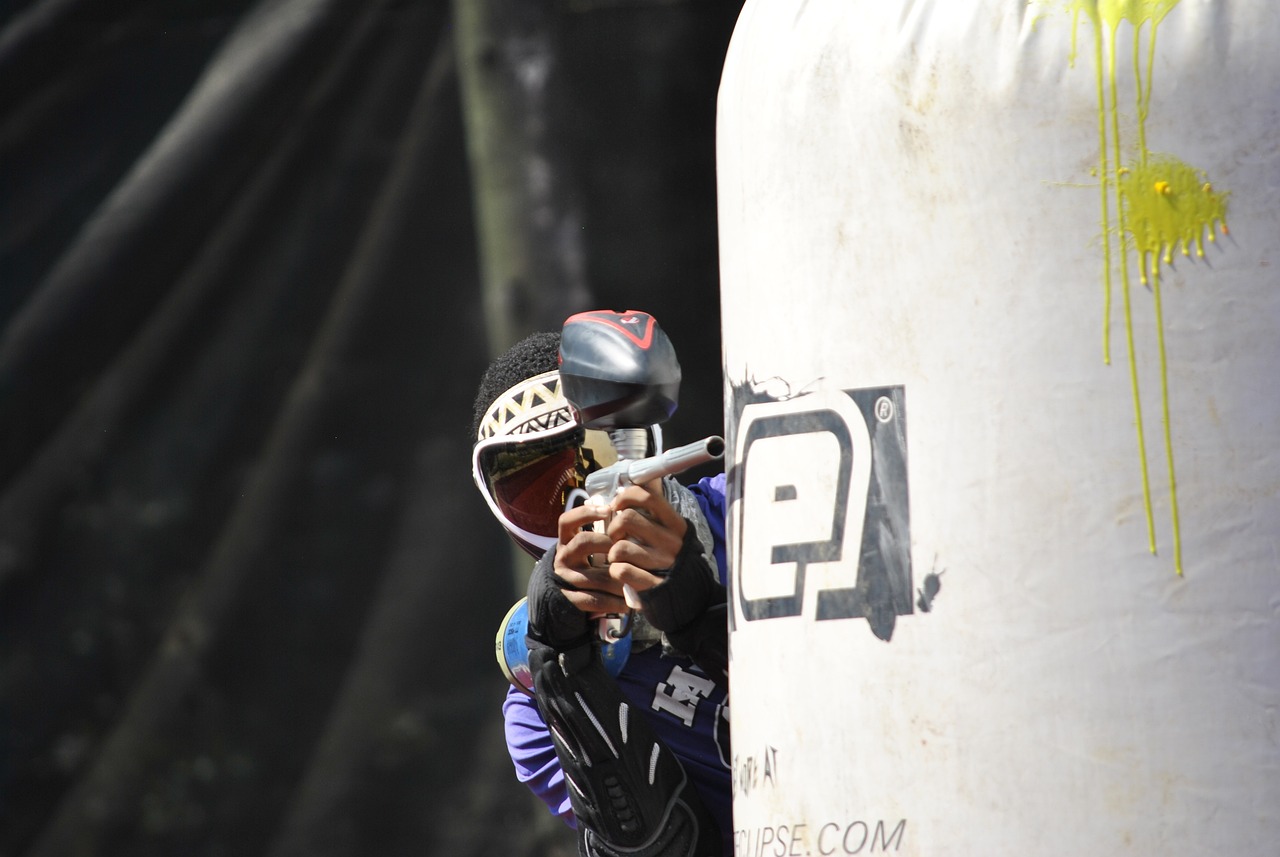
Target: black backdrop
[(247, 592)]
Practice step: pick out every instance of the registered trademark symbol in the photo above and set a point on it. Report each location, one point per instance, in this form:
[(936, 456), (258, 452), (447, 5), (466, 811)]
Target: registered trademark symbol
[(884, 409)]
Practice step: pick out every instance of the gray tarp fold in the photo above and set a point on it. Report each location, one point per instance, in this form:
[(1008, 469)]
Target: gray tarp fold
[(247, 591)]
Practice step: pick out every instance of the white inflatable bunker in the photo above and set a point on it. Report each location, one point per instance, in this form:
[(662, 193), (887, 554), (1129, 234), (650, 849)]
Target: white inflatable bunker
[(1001, 312)]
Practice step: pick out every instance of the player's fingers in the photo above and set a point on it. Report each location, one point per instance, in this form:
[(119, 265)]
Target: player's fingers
[(659, 556), (581, 546), (650, 500), (573, 520), (626, 574), (596, 601), (584, 577)]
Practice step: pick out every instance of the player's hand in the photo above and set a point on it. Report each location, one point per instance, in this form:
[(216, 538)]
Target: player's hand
[(581, 562), (646, 535)]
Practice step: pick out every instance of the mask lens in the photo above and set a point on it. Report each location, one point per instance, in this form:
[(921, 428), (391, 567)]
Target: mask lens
[(531, 482)]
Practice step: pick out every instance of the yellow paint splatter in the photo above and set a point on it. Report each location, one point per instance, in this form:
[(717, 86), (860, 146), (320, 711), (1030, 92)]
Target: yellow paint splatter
[(1169, 205), (1150, 206)]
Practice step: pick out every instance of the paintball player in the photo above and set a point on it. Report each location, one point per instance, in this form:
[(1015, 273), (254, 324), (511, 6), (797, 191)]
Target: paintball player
[(638, 764)]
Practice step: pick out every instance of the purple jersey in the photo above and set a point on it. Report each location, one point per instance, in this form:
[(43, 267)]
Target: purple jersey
[(687, 711)]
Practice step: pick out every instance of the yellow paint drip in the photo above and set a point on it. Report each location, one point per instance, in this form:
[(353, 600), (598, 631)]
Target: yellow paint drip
[(1150, 206)]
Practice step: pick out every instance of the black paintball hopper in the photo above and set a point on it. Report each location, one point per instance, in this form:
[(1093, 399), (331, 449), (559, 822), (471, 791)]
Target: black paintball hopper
[(618, 369)]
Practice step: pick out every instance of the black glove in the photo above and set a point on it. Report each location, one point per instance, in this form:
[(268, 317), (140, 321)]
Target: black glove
[(553, 620), (690, 588), (690, 608)]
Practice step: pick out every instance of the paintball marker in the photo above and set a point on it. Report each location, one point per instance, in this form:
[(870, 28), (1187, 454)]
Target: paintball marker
[(619, 372), (603, 484)]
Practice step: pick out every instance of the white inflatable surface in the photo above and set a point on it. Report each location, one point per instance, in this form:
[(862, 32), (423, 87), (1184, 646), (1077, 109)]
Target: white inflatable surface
[(1006, 483)]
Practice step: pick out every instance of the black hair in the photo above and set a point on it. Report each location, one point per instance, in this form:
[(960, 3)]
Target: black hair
[(533, 355)]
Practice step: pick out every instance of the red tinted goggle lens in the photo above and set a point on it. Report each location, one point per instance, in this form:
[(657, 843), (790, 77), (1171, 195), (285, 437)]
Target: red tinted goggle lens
[(531, 493), (530, 482)]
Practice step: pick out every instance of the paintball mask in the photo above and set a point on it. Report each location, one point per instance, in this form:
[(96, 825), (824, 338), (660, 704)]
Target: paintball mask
[(531, 460)]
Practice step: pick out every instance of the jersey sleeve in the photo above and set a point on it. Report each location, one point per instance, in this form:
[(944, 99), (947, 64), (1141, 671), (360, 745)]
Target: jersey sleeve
[(534, 754), (709, 492)]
